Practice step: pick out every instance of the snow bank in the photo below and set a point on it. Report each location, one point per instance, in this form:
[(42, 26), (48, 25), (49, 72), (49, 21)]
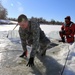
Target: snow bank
[(70, 66), (7, 22), (62, 55)]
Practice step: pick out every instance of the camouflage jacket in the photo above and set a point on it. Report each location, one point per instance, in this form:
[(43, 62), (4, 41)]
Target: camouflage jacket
[(30, 36)]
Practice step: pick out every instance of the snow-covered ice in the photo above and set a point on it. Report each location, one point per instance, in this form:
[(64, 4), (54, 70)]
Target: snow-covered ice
[(52, 64)]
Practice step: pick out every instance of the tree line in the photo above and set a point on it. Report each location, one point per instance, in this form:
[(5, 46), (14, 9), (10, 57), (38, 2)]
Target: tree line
[(4, 13), (42, 21)]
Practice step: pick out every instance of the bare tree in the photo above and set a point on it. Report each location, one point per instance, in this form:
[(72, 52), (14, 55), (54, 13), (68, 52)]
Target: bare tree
[(3, 12)]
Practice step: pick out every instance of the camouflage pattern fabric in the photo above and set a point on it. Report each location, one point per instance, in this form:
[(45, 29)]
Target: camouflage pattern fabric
[(32, 37)]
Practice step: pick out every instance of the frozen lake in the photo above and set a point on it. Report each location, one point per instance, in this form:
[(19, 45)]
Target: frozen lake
[(52, 64)]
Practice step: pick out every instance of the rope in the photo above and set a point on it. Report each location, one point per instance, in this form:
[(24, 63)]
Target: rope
[(65, 62)]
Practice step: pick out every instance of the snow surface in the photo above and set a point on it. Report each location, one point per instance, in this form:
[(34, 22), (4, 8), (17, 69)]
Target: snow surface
[(52, 64), (7, 27), (49, 28)]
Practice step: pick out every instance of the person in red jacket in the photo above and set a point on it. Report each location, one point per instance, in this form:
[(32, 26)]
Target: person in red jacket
[(67, 30)]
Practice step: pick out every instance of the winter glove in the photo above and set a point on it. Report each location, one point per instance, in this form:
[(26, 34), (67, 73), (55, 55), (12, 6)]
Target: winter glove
[(31, 62)]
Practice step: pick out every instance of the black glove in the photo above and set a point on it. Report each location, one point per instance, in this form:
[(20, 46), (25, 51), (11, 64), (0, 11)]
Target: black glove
[(31, 62), (62, 32)]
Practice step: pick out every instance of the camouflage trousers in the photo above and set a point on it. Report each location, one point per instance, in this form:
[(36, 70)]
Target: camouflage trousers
[(42, 47)]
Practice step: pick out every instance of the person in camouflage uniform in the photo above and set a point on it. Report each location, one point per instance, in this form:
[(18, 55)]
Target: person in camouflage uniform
[(31, 34)]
